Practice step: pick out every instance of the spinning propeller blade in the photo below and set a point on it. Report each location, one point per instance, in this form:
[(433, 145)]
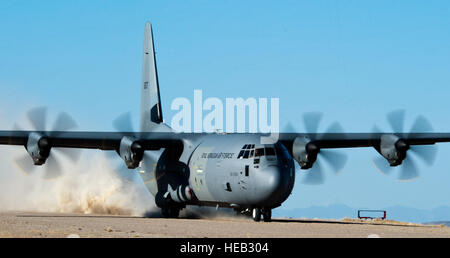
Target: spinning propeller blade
[(334, 159), (38, 119), (427, 153), (121, 124)]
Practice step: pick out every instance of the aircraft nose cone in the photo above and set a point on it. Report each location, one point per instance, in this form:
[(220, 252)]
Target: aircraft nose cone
[(271, 186), (273, 180)]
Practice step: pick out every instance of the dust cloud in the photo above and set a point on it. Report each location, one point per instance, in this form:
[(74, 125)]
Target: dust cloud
[(89, 186)]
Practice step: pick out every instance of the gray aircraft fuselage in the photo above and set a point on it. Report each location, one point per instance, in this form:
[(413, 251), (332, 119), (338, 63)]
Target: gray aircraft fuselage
[(227, 170)]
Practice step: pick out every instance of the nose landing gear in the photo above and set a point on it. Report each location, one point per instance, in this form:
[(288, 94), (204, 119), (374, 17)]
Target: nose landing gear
[(256, 214), (265, 212)]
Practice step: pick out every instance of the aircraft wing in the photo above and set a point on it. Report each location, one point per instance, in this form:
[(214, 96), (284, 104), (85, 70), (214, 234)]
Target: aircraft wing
[(157, 140), (303, 147), (354, 140), (394, 149), (91, 140)]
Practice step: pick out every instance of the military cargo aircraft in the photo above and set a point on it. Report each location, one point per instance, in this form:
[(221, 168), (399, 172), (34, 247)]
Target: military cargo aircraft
[(234, 170)]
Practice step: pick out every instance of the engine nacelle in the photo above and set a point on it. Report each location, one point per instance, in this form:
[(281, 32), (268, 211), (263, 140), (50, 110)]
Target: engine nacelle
[(38, 147), (305, 152), (393, 149), (131, 152)]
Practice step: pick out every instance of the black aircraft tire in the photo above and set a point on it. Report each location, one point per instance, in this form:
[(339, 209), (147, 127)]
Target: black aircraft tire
[(256, 214), (170, 212), (267, 215), (174, 212), (165, 212)]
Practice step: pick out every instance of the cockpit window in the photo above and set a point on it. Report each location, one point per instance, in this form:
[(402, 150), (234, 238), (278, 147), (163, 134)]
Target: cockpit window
[(259, 152), (270, 151), (247, 151)]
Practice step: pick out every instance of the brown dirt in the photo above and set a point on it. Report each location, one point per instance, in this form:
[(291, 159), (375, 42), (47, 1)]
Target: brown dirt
[(28, 224)]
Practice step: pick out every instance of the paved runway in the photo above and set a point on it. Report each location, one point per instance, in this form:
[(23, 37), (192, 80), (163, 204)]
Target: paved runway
[(28, 224)]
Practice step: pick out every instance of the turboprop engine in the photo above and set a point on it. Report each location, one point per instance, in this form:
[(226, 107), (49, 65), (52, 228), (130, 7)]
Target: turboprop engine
[(305, 152), (393, 149), (131, 152), (38, 147)]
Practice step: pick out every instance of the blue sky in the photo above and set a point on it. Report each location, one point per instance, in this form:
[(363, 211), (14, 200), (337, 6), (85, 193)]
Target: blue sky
[(352, 60)]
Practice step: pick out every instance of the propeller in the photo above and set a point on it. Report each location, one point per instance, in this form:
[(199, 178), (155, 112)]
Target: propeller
[(123, 123), (334, 159), (426, 153), (38, 119)]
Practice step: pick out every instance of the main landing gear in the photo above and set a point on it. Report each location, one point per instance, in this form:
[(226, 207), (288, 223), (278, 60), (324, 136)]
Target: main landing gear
[(265, 212), (170, 211)]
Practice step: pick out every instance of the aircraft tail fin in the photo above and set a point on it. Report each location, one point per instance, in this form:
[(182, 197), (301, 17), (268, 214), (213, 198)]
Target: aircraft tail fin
[(151, 112)]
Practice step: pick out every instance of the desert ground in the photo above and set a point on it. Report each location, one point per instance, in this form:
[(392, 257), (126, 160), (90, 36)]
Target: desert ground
[(32, 224)]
